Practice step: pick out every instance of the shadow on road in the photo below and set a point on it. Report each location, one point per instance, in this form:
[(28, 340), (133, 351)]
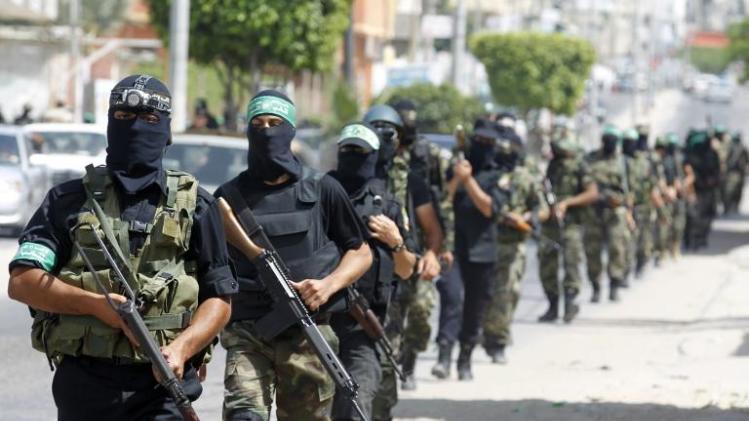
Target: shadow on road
[(541, 410)]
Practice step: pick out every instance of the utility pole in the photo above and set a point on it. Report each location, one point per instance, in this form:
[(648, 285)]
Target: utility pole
[(75, 55), (635, 59), (179, 33), (459, 42), (348, 52)]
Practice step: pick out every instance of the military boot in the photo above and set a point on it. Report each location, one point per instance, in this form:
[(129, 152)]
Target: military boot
[(614, 290), (464, 362), (408, 364), (441, 369), (570, 307), (596, 297), (552, 313), (497, 355)]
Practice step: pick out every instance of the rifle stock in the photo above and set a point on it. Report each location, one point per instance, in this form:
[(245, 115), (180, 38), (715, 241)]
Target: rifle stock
[(275, 276), (371, 325)]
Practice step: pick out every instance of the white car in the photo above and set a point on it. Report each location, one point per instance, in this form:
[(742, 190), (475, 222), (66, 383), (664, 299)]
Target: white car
[(719, 91), (66, 148), (216, 159), (22, 184)]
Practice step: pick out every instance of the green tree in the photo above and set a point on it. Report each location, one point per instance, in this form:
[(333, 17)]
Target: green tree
[(533, 70), (739, 49), (244, 38), (709, 59), (440, 108)]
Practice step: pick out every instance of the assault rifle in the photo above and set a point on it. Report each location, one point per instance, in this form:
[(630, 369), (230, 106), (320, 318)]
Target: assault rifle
[(551, 200), (366, 318), (128, 312), (526, 228), (274, 274)]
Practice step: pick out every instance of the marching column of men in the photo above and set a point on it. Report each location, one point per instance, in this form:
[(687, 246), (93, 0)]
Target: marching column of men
[(396, 216)]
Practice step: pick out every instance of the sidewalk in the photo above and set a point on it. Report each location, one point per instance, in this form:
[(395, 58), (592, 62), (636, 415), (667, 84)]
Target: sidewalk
[(674, 349)]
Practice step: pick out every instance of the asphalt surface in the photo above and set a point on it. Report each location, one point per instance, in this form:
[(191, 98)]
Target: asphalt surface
[(25, 387)]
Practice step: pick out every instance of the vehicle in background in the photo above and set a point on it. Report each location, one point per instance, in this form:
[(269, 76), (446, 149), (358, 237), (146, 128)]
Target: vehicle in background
[(23, 185), (66, 149), (719, 91), (701, 84), (216, 159)]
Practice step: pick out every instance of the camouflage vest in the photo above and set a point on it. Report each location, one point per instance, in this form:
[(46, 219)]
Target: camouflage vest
[(165, 283)]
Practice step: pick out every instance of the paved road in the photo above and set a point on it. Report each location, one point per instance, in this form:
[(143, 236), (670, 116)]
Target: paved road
[(673, 350)]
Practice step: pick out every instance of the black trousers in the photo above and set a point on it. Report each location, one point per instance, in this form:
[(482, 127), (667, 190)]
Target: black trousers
[(450, 288), (477, 279), (359, 356), (96, 389)]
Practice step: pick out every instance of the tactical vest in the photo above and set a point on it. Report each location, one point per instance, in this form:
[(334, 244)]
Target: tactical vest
[(475, 234), (292, 219), (377, 283), (566, 177), (164, 284)]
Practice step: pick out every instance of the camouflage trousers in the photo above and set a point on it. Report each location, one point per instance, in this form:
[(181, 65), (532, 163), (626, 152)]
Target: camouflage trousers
[(733, 189), (678, 224), (504, 295), (662, 231), (387, 394), (411, 310), (407, 327), (644, 216), (286, 366), (607, 230), (571, 240)]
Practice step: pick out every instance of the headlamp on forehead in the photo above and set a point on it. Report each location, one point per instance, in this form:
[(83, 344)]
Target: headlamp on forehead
[(140, 99)]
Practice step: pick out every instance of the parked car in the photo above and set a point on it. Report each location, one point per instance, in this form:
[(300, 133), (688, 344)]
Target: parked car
[(216, 159), (66, 148), (719, 91), (23, 185)]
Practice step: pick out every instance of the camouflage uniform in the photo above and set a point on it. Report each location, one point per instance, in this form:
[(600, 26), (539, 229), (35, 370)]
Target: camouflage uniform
[(642, 180), (287, 365), (568, 177), (605, 221), (736, 166), (505, 292)]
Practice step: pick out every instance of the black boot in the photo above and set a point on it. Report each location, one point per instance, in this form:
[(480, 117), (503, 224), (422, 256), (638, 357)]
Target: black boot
[(441, 369), (570, 307), (464, 362), (596, 297), (408, 364), (552, 313), (614, 290), (498, 355)]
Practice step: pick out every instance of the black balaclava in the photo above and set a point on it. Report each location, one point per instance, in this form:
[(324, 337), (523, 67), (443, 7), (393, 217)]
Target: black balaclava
[(389, 142), (506, 155), (355, 169), (480, 154), (135, 148), (407, 110), (608, 144), (642, 142), (270, 154), (629, 147)]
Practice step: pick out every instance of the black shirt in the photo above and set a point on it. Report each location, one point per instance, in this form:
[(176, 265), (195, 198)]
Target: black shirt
[(59, 211), (419, 190)]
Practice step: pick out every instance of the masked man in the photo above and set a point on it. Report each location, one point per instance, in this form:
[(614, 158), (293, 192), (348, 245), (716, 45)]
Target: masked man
[(169, 232), (357, 161), (573, 187), (314, 228), (478, 199)]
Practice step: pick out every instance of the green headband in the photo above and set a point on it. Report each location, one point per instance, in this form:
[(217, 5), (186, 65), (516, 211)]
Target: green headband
[(272, 105), (612, 131), (360, 131)]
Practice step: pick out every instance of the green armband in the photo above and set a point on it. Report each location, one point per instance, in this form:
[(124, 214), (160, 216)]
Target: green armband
[(38, 253)]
